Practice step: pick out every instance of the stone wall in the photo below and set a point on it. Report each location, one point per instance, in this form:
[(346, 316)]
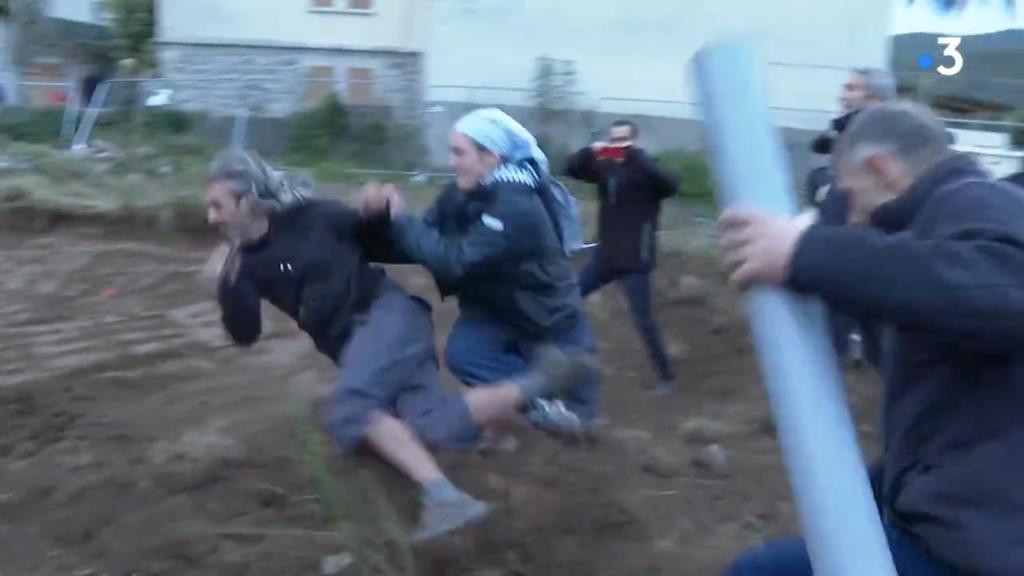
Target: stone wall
[(275, 82)]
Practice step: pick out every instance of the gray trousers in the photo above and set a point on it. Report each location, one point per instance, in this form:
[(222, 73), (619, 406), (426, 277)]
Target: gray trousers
[(389, 365)]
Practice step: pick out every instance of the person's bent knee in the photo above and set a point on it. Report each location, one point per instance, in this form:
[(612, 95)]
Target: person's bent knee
[(346, 417), (458, 360)]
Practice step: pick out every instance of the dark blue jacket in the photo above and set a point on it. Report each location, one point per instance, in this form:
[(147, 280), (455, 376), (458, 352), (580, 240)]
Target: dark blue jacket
[(945, 269), (496, 249)]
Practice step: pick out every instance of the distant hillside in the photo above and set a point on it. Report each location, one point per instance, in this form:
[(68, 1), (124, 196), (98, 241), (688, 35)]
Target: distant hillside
[(993, 67)]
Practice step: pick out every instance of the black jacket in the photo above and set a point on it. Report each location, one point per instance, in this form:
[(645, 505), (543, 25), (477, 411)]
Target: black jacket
[(823, 143), (817, 185), (312, 266), (944, 268), (495, 248), (630, 193)]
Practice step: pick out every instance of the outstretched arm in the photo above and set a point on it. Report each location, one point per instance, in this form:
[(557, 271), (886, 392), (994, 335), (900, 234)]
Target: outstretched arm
[(504, 232), (239, 302)]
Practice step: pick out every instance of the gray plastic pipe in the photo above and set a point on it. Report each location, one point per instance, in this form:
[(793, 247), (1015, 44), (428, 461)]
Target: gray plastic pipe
[(826, 471)]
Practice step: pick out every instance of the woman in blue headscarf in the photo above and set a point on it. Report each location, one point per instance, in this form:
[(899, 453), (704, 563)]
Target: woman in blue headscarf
[(491, 241)]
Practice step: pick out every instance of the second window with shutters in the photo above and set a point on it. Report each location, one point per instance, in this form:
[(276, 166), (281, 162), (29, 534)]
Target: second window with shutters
[(360, 86)]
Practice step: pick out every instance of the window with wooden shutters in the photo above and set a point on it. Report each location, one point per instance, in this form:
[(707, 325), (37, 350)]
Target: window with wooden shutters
[(360, 86), (321, 84)]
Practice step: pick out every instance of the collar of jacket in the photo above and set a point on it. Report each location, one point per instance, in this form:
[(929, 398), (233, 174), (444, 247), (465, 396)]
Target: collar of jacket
[(513, 173), (841, 123), (274, 222), (897, 215)]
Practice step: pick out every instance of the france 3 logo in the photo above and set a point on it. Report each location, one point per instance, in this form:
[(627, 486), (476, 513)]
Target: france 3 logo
[(952, 51)]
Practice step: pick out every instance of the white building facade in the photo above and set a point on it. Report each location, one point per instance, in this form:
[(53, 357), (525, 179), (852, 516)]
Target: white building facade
[(632, 58)]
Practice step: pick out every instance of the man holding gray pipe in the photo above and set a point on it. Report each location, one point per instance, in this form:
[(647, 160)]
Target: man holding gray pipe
[(942, 263)]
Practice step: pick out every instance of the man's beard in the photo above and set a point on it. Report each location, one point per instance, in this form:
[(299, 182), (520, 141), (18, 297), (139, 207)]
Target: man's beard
[(234, 233)]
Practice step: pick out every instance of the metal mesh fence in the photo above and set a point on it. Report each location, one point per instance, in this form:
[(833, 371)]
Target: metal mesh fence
[(387, 123)]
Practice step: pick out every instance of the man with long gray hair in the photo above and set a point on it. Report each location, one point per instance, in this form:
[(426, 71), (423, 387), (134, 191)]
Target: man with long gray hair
[(940, 259), (309, 258)]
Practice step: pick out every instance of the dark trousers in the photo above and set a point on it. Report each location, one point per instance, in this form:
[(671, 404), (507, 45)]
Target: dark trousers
[(790, 558), (636, 286), (481, 351), (870, 333)]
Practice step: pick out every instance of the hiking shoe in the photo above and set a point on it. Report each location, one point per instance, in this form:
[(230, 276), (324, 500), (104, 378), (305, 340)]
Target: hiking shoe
[(439, 517), (553, 417)]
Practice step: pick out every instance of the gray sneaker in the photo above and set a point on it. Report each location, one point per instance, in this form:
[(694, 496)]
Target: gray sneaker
[(440, 517), (553, 417)]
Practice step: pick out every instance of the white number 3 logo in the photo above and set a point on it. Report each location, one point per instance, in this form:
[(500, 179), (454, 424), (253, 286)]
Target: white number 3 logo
[(951, 43)]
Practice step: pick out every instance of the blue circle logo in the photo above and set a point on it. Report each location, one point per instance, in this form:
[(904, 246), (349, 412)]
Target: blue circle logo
[(924, 61)]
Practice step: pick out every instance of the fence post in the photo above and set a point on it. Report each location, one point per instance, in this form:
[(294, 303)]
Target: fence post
[(81, 138), (833, 496), (71, 107)]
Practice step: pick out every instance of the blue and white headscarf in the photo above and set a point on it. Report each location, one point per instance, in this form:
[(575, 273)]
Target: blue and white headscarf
[(501, 134)]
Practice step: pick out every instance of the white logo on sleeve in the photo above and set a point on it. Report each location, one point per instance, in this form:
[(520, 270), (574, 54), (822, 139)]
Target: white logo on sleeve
[(492, 222)]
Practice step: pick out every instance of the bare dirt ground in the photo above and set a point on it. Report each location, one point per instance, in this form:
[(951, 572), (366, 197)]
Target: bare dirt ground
[(136, 441)]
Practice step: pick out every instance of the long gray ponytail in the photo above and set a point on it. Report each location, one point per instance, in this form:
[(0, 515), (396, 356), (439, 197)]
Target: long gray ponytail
[(247, 175)]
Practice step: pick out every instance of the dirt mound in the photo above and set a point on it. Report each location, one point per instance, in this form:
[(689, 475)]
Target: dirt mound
[(136, 441)]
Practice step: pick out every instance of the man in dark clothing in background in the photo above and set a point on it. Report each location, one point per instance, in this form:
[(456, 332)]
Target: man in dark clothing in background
[(631, 188), (863, 87), (942, 264)]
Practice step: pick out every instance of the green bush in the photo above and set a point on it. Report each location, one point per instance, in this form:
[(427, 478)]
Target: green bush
[(369, 142), (168, 121), (34, 126), (314, 133), (693, 173), (557, 152)]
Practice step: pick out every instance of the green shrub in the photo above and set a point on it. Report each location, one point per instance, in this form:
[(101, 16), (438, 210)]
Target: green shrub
[(62, 168), (368, 143), (168, 121), (693, 173), (314, 133), (35, 126), (557, 152)]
